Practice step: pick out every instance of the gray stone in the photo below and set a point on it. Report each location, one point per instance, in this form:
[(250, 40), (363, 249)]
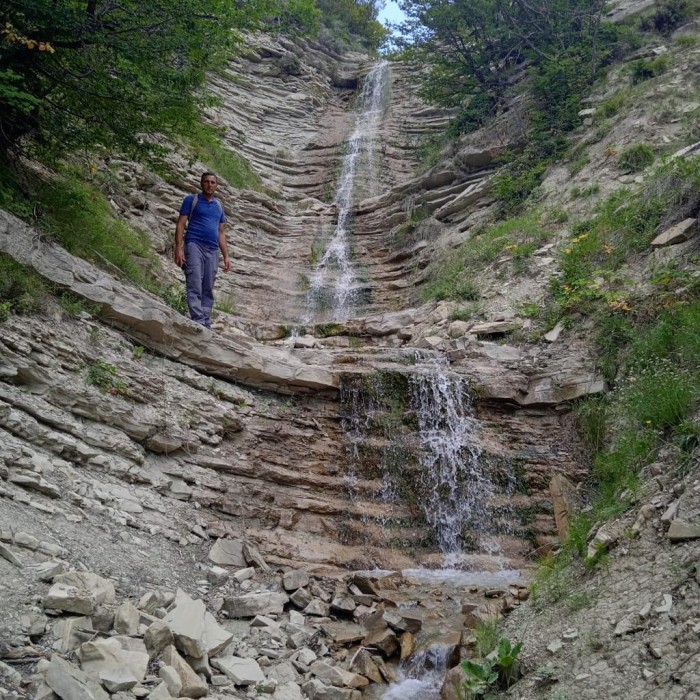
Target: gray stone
[(240, 671), (337, 676), (301, 598), (119, 663), (192, 685), (283, 673), (71, 632), (495, 327), (343, 603), (244, 574), (158, 637), (6, 553), (383, 640), (70, 683), (316, 608), (253, 604), (46, 571), (293, 580), (344, 633), (253, 557), (127, 619), (186, 620), (288, 691), (79, 592), (678, 233), (316, 689), (217, 576), (680, 531), (227, 553), (171, 679)]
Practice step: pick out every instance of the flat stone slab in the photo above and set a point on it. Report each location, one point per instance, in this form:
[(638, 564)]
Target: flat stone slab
[(79, 592), (680, 531), (240, 671), (678, 233), (253, 604)]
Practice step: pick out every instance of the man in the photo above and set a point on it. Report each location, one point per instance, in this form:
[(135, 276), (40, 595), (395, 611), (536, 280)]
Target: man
[(197, 251)]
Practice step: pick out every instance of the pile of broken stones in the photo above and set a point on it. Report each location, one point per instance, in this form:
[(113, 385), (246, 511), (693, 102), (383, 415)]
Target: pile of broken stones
[(286, 636)]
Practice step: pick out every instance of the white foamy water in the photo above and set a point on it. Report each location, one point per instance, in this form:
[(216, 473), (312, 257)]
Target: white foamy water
[(333, 283), (464, 579), (456, 482), (421, 677)]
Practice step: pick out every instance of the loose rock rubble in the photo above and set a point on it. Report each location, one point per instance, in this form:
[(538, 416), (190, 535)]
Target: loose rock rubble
[(289, 635)]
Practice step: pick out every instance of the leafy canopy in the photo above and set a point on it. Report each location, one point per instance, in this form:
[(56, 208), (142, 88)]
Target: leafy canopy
[(74, 73)]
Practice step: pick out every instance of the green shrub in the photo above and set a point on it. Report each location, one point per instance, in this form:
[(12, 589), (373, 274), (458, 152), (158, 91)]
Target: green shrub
[(21, 290), (637, 157), (645, 69), (611, 106), (667, 15), (205, 145)]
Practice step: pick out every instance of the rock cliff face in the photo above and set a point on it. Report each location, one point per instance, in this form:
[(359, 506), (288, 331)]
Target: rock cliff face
[(240, 431)]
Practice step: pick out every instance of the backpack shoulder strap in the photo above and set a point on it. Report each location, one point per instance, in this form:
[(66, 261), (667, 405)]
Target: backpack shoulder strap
[(194, 204)]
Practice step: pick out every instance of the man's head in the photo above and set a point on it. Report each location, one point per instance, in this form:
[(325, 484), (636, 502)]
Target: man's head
[(208, 184)]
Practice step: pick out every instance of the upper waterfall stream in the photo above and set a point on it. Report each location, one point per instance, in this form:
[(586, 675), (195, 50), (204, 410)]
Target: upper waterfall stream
[(333, 287)]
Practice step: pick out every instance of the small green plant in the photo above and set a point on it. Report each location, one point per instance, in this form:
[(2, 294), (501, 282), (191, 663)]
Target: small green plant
[(175, 297), (576, 166), (497, 671), (611, 106), (486, 636), (636, 158), (226, 304), (207, 144), (5, 308), (317, 251), (103, 375), (137, 352), (466, 312), (687, 41), (645, 69), (21, 290), (480, 679)]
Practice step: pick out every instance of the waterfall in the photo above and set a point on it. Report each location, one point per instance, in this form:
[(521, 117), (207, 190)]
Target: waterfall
[(421, 676), (416, 430), (456, 483), (333, 284)]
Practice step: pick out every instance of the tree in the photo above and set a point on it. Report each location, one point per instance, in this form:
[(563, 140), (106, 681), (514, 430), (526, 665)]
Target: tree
[(75, 73), (471, 46)]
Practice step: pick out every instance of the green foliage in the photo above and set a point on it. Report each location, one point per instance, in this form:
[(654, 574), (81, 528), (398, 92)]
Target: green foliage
[(80, 74), (624, 225), (667, 15), (637, 157), (453, 276), (21, 290), (205, 144), (486, 636), (645, 69), (479, 679), (175, 297), (76, 215), (103, 375), (498, 671), (612, 105), (576, 166), (74, 306), (479, 107), (354, 21)]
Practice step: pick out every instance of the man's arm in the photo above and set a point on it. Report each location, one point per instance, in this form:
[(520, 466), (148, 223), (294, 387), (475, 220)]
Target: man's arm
[(224, 248), (180, 240)]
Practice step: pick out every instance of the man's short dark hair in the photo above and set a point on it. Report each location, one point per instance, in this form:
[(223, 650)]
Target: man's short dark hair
[(201, 179)]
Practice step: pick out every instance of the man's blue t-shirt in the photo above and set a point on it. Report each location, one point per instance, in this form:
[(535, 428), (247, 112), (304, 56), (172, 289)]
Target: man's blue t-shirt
[(203, 226)]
